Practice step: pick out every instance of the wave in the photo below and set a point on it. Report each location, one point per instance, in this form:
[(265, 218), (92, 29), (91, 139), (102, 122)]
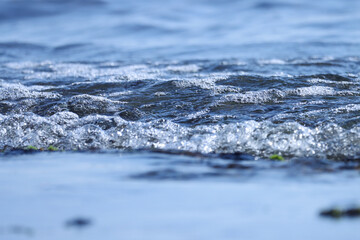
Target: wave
[(68, 131)]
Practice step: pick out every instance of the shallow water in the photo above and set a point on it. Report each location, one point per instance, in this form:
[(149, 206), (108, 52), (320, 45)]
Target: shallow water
[(161, 196), (213, 88)]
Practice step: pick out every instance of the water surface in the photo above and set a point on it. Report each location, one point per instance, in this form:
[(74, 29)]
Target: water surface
[(212, 88)]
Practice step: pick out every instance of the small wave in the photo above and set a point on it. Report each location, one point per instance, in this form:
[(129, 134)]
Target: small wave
[(272, 62), (263, 96), (326, 81), (313, 90), (86, 71), (10, 91), (70, 47), (67, 131), (269, 5), (202, 83), (183, 68), (348, 108), (21, 45), (320, 91), (86, 104)]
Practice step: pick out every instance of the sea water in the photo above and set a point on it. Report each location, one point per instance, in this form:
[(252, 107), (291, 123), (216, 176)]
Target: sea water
[(212, 82)]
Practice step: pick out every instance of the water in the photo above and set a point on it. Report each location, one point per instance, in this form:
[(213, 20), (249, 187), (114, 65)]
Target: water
[(203, 80), (41, 193), (254, 77)]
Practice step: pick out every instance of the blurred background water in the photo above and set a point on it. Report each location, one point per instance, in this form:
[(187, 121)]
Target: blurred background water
[(193, 28)]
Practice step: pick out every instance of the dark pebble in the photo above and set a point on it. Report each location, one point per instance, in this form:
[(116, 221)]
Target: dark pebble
[(78, 222), (340, 213), (231, 166), (236, 156)]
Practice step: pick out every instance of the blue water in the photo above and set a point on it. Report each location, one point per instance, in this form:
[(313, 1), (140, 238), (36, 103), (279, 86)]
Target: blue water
[(168, 113), (260, 77), (42, 193)]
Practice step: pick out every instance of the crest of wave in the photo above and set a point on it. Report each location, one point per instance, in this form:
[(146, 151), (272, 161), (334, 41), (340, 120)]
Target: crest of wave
[(68, 131)]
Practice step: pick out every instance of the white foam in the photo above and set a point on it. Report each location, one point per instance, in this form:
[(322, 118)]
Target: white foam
[(198, 114), (202, 83), (313, 91), (159, 94), (67, 131), (273, 61), (191, 68), (261, 96), (85, 103), (88, 71), (326, 81), (10, 91), (347, 108)]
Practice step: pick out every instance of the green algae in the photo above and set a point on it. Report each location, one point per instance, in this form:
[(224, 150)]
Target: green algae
[(30, 147), (52, 148), (277, 157)]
